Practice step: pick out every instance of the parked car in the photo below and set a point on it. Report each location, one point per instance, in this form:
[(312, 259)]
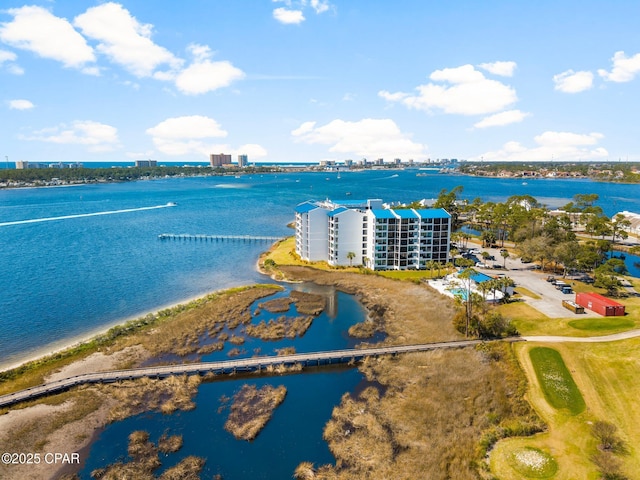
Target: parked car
[(566, 290), (482, 265), (551, 279)]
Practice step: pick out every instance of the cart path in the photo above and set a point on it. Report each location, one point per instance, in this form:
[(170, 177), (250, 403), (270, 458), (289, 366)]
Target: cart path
[(603, 338)]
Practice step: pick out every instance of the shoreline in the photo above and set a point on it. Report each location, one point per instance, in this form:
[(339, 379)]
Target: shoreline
[(83, 338)]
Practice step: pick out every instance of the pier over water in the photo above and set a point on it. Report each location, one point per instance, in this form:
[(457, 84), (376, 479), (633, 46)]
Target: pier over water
[(218, 238)]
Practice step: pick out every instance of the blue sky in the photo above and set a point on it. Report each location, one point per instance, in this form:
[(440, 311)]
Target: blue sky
[(312, 80)]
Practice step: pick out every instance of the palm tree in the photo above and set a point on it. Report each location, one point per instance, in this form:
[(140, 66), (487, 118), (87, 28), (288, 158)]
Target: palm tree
[(351, 256), (465, 276), (430, 265), (505, 255)]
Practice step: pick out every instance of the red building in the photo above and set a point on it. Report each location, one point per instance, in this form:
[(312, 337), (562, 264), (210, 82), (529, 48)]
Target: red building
[(599, 304)]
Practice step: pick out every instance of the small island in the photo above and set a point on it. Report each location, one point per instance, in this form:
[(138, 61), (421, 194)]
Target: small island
[(252, 408)]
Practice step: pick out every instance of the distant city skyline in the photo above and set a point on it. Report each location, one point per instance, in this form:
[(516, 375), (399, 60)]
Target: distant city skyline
[(312, 80)]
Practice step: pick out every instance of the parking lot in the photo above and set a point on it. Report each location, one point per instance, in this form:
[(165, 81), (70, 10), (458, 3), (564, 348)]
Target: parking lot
[(524, 274)]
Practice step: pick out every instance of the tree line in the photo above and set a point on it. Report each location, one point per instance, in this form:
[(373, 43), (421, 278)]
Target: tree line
[(578, 237)]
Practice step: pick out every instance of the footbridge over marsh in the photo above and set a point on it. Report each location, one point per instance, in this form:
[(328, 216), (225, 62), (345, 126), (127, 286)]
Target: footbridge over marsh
[(229, 367)]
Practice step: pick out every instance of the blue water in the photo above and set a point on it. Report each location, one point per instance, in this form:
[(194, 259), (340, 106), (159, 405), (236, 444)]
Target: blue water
[(294, 433), (65, 279)]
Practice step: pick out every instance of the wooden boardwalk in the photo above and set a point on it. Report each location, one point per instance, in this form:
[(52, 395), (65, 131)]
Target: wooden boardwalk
[(218, 238), (254, 364)]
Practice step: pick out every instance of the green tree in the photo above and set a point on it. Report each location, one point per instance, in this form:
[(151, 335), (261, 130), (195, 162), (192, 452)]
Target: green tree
[(351, 256), (465, 276), (449, 201), (619, 224), (505, 254)]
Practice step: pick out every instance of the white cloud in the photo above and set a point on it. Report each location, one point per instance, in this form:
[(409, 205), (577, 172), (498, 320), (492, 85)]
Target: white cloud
[(368, 137), (193, 135), (573, 82), (501, 119), (98, 137), (124, 40), (204, 75), (15, 69), (39, 31), (504, 69), (624, 68), (319, 6), (6, 56), (288, 17), (252, 150), (191, 127), (20, 105), (466, 91), (140, 155), (564, 146)]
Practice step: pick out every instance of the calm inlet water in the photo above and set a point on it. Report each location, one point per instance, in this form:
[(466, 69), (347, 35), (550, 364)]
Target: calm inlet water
[(294, 433)]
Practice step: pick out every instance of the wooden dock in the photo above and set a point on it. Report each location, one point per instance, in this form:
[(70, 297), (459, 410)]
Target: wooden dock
[(229, 367), (218, 238)]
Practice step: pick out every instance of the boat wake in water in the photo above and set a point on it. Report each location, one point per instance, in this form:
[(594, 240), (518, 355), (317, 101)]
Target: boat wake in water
[(81, 215)]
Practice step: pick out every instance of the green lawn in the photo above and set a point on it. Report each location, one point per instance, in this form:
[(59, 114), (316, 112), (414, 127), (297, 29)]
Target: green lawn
[(556, 381), (606, 324)]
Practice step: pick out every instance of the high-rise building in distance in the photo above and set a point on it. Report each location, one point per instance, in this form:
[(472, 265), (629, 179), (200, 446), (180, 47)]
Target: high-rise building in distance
[(219, 159)]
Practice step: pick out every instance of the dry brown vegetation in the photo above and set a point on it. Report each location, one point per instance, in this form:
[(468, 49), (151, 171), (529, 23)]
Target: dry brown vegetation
[(166, 395), (145, 460), (407, 312), (276, 305), (308, 303), (286, 351), (436, 414), (252, 408), (182, 334), (282, 327), (169, 444)]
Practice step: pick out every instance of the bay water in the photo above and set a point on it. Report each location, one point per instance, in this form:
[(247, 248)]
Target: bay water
[(75, 260), (65, 279)]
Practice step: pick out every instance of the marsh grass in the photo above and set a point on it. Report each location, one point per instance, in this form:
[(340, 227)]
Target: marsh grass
[(169, 444), (252, 408), (556, 381), (282, 327), (182, 336), (144, 460), (308, 303), (172, 330), (438, 414), (285, 351), (166, 395), (277, 305)]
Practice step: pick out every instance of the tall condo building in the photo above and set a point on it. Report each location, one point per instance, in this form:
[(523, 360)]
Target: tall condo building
[(362, 232), (219, 159), (243, 160)]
